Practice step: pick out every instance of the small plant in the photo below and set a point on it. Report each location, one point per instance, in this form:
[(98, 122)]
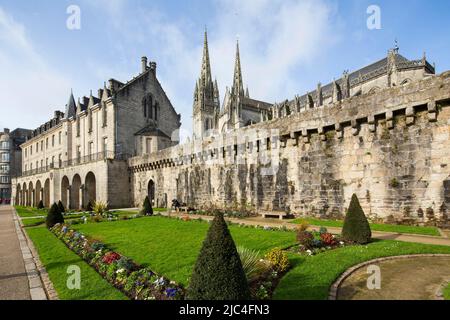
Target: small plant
[(278, 259), (111, 257), (125, 263), (305, 238), (328, 239), (251, 263), (100, 208), (323, 230), (303, 226), (40, 205), (394, 183), (54, 216)]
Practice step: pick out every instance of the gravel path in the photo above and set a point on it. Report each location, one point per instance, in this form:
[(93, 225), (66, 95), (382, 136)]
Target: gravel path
[(418, 278)]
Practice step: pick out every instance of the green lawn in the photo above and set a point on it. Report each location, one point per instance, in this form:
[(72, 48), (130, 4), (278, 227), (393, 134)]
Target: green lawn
[(27, 212), (447, 292), (429, 231), (56, 258), (311, 277), (29, 222), (170, 246)]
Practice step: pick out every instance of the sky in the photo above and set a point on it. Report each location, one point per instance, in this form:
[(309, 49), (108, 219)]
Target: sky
[(286, 46)]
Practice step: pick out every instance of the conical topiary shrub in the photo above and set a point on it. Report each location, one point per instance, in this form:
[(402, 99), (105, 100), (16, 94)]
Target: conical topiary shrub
[(218, 272), (89, 206), (356, 227), (61, 207), (147, 209), (40, 205), (54, 216)]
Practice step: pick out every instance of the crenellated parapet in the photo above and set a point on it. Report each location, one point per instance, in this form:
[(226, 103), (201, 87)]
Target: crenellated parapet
[(425, 95)]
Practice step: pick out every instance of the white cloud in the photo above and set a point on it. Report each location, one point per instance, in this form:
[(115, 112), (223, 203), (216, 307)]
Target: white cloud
[(277, 39), (29, 87)]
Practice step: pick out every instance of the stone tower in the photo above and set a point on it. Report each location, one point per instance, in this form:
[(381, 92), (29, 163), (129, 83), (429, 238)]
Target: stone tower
[(206, 106)]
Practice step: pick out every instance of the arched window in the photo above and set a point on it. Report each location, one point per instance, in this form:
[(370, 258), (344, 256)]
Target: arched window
[(144, 106), (156, 111), (150, 107)]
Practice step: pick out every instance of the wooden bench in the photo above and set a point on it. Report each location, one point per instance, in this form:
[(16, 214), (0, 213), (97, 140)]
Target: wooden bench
[(183, 209), (281, 214)]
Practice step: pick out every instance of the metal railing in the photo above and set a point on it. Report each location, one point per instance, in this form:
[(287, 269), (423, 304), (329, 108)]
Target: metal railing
[(101, 156)]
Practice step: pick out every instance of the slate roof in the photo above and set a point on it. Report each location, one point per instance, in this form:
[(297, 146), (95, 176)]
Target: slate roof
[(369, 72)]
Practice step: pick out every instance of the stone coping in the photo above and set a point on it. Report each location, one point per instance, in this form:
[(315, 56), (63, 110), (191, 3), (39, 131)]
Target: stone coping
[(41, 288), (333, 293)]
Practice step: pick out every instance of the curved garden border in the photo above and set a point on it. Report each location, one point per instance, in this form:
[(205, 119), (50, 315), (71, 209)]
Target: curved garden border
[(335, 286)]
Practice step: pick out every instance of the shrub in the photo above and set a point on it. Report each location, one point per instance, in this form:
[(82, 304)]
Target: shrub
[(303, 226), (356, 227), (100, 208), (125, 263), (111, 257), (61, 207), (323, 230), (251, 263), (54, 216), (218, 272), (278, 259), (40, 205), (89, 206), (305, 238), (328, 239), (147, 209)]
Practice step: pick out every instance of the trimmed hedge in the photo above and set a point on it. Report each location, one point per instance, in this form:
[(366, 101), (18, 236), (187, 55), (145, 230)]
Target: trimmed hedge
[(147, 209), (54, 216), (218, 273), (356, 227)]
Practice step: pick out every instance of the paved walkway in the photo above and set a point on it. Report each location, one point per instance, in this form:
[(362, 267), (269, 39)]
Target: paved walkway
[(276, 223), (418, 278), (13, 276)]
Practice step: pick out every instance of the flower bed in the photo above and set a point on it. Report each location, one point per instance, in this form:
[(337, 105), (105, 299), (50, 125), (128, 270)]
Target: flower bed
[(311, 243), (136, 282)]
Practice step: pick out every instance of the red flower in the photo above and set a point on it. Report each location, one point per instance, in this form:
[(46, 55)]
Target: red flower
[(110, 257), (328, 239)]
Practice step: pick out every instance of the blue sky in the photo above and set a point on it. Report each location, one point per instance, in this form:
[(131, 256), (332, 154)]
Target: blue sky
[(287, 46)]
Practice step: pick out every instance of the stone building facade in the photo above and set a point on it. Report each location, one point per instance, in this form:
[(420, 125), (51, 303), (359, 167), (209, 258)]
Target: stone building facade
[(80, 155), (10, 160), (381, 132)]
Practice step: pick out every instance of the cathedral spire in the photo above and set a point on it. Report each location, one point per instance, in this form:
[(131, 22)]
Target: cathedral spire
[(238, 86), (205, 74), (71, 107)]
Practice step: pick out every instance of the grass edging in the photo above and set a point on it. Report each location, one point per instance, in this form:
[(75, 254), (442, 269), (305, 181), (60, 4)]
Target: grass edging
[(335, 286), (42, 272), (56, 258), (377, 227), (311, 277)]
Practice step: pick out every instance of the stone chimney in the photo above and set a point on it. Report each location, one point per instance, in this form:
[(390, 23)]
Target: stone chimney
[(100, 93), (6, 131), (144, 64), (153, 67)]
